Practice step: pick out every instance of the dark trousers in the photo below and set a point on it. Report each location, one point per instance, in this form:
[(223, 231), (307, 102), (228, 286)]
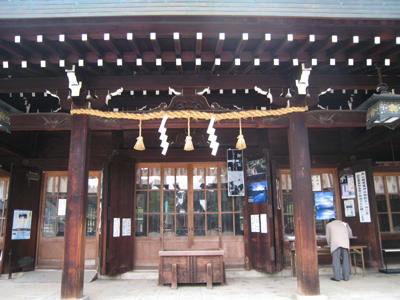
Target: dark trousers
[(341, 264)]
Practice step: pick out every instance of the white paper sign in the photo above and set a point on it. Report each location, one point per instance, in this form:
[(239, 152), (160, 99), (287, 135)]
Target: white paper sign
[(316, 183), (349, 209), (362, 197), (62, 206), (116, 227), (21, 228), (264, 224), (255, 223), (126, 226)]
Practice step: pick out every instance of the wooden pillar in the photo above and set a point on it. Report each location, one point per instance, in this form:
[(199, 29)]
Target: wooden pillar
[(300, 166), (74, 235)]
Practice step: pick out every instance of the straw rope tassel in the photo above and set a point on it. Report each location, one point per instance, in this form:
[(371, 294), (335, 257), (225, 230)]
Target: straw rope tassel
[(139, 140), (241, 143), (188, 141)]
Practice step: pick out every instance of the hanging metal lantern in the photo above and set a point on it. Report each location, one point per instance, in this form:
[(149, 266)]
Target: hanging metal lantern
[(382, 109)]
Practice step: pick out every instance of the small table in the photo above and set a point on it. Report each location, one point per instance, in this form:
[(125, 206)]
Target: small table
[(356, 251), (191, 266), (384, 254)]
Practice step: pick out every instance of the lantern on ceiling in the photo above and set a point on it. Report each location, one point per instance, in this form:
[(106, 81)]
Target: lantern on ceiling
[(383, 107)]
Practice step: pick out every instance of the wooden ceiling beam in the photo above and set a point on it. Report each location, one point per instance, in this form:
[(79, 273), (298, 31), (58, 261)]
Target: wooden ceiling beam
[(162, 82), (220, 44), (199, 43), (11, 50), (241, 45), (177, 44), (155, 44), (89, 44), (62, 122)]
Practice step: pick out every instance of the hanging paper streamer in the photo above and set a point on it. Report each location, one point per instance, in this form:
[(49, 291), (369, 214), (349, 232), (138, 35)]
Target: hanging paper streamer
[(163, 137), (212, 137)]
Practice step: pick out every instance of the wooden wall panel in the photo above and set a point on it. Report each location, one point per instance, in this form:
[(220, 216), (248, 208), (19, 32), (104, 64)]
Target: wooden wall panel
[(367, 233), (119, 250), (24, 193)]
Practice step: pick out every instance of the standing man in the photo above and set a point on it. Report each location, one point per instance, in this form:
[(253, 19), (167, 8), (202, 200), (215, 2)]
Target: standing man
[(338, 235)]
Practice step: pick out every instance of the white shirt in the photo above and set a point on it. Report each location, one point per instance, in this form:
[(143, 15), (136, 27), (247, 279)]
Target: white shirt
[(338, 234)]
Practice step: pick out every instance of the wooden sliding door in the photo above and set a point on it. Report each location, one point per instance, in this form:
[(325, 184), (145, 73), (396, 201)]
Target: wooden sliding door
[(186, 206)]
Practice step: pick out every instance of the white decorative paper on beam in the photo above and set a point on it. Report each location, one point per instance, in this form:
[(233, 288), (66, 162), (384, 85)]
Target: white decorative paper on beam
[(212, 137), (163, 137), (362, 197)]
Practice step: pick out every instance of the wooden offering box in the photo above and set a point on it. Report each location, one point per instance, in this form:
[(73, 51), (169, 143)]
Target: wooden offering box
[(191, 266)]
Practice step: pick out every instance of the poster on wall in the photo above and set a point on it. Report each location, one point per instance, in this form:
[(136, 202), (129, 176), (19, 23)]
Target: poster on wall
[(116, 227), (255, 223), (362, 197), (324, 205), (257, 192), (347, 186), (349, 209), (235, 173), (21, 228)]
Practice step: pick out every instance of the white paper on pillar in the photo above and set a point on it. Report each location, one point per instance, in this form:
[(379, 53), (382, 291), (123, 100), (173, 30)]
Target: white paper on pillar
[(126, 226), (117, 227), (255, 223), (264, 223)]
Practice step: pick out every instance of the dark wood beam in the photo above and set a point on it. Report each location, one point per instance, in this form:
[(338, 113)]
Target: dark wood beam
[(89, 44), (162, 82), (241, 45), (111, 45), (177, 45), (11, 50), (219, 46), (199, 45), (62, 122), (156, 45), (134, 46)]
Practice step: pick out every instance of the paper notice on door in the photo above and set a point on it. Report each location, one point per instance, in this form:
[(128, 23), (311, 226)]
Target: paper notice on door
[(126, 226), (62, 206), (264, 224), (255, 223), (117, 227)]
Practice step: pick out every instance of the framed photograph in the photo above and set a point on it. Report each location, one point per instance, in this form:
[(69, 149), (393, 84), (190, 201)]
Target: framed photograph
[(256, 167), (324, 205), (257, 192)]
